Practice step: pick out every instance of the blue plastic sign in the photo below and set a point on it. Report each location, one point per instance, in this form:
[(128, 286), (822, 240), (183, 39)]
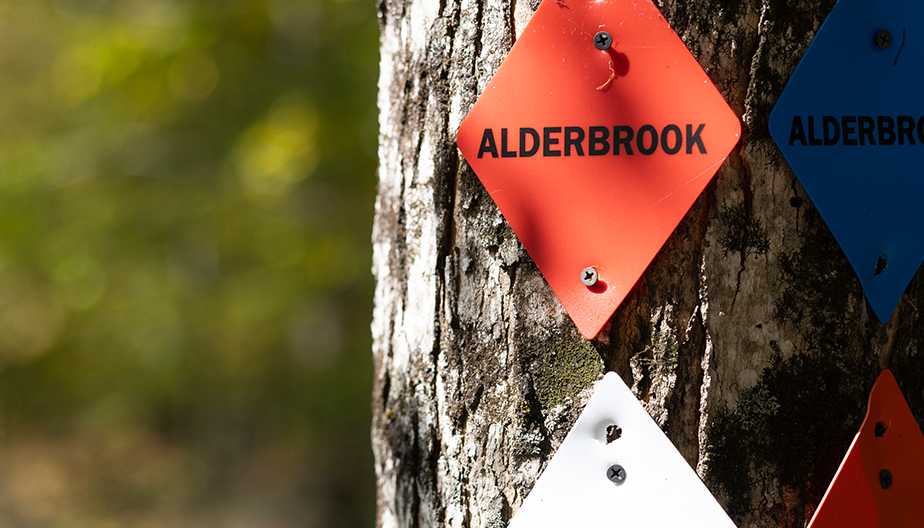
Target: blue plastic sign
[(616, 468), (850, 123)]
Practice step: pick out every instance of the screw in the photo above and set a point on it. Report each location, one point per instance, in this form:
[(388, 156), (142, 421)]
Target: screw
[(616, 473), (589, 276), (883, 39), (603, 40), (885, 478)]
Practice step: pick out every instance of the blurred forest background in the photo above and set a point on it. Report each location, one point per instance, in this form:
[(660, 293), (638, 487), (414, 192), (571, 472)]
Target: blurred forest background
[(186, 194)]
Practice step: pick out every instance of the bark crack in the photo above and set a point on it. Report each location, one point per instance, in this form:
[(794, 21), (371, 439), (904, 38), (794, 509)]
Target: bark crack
[(479, 35), (748, 225)]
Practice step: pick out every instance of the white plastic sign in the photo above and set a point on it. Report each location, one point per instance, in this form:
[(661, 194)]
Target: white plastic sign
[(638, 479)]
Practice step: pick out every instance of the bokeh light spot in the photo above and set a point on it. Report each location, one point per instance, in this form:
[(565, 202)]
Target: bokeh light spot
[(193, 76), (278, 151)]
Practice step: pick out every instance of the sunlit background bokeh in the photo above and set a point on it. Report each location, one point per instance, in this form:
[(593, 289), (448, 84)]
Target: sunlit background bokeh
[(186, 193)]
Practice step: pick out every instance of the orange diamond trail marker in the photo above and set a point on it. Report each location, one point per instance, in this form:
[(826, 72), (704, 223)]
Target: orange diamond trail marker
[(594, 138), (881, 481)]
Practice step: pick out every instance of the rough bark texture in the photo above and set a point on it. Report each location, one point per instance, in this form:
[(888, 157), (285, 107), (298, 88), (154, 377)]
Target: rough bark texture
[(748, 339)]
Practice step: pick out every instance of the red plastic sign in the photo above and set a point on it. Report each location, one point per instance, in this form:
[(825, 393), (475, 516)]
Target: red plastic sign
[(594, 138), (881, 481)]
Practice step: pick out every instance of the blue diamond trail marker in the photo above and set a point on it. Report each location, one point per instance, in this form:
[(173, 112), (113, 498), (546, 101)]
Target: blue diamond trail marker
[(850, 122)]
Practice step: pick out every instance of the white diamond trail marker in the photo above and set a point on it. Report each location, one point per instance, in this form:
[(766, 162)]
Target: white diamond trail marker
[(636, 480)]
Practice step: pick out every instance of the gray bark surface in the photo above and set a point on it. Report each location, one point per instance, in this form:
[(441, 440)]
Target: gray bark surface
[(748, 339)]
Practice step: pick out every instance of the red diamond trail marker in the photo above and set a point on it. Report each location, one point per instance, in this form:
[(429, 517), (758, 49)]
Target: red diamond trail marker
[(595, 155), (881, 481)]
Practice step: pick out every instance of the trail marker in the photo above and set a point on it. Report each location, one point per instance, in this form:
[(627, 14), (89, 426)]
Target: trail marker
[(850, 122), (616, 468), (594, 138), (881, 481)]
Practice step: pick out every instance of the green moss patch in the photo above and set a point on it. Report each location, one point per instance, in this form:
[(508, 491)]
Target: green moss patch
[(563, 365)]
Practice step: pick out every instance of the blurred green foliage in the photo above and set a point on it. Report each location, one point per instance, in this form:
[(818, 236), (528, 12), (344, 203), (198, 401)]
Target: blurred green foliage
[(186, 193)]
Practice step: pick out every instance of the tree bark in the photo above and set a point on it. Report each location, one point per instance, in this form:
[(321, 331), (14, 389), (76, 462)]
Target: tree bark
[(748, 339)]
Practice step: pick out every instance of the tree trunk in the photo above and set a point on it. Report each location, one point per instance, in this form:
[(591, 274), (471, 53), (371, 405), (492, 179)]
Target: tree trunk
[(748, 339)]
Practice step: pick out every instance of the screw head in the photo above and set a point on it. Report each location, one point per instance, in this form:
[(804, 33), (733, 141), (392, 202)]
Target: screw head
[(616, 473), (603, 40), (885, 478), (589, 276), (883, 39)]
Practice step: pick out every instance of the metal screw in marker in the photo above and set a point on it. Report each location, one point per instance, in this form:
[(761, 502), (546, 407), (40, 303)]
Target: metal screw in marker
[(884, 39), (603, 40), (616, 473), (589, 276), (885, 478)]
